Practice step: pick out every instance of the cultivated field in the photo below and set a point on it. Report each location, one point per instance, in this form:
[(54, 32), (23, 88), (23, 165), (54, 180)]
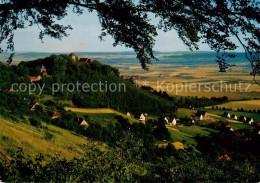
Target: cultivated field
[(89, 110), (248, 104), (101, 115), (201, 81)]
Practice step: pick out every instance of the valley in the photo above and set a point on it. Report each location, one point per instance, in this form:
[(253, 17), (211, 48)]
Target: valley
[(70, 127)]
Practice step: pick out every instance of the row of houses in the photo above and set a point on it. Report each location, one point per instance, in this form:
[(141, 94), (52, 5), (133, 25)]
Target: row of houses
[(171, 121), (241, 118), (142, 117)]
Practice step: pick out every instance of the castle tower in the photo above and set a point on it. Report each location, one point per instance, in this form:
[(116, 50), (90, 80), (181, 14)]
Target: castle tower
[(73, 56), (44, 71)]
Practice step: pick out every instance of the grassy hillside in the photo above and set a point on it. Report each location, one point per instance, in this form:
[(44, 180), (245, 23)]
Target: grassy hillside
[(34, 140), (186, 134)]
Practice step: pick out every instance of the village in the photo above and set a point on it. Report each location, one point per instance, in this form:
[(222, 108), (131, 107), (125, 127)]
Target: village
[(169, 121), (199, 115)]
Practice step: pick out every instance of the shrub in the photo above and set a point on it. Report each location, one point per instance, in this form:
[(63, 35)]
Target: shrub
[(35, 122)]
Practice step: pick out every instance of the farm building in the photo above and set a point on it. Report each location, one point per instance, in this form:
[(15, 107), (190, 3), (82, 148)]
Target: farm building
[(35, 78), (142, 118), (128, 114), (226, 126), (200, 115), (56, 115), (242, 118), (224, 157), (226, 115), (249, 121), (234, 117), (166, 120), (33, 104), (172, 121), (82, 123)]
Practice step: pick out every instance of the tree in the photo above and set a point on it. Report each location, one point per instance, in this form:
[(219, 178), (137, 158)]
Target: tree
[(212, 22)]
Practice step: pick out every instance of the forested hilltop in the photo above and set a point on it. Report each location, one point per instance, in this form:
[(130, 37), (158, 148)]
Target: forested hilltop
[(127, 98)]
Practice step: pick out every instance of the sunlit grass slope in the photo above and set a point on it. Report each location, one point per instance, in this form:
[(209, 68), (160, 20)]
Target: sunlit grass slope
[(33, 140)]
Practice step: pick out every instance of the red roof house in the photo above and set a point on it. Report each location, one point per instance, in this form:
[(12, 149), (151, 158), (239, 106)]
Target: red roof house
[(224, 157), (56, 115)]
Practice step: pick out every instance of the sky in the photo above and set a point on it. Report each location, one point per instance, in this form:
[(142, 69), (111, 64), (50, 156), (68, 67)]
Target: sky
[(84, 38)]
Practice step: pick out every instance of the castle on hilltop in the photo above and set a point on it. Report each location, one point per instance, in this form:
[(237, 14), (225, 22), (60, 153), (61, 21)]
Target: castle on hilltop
[(82, 61)]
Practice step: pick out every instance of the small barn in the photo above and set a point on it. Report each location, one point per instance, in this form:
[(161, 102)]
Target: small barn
[(56, 115), (234, 117), (200, 115), (142, 118), (227, 127), (82, 123), (242, 118), (172, 121), (249, 121), (226, 115)]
